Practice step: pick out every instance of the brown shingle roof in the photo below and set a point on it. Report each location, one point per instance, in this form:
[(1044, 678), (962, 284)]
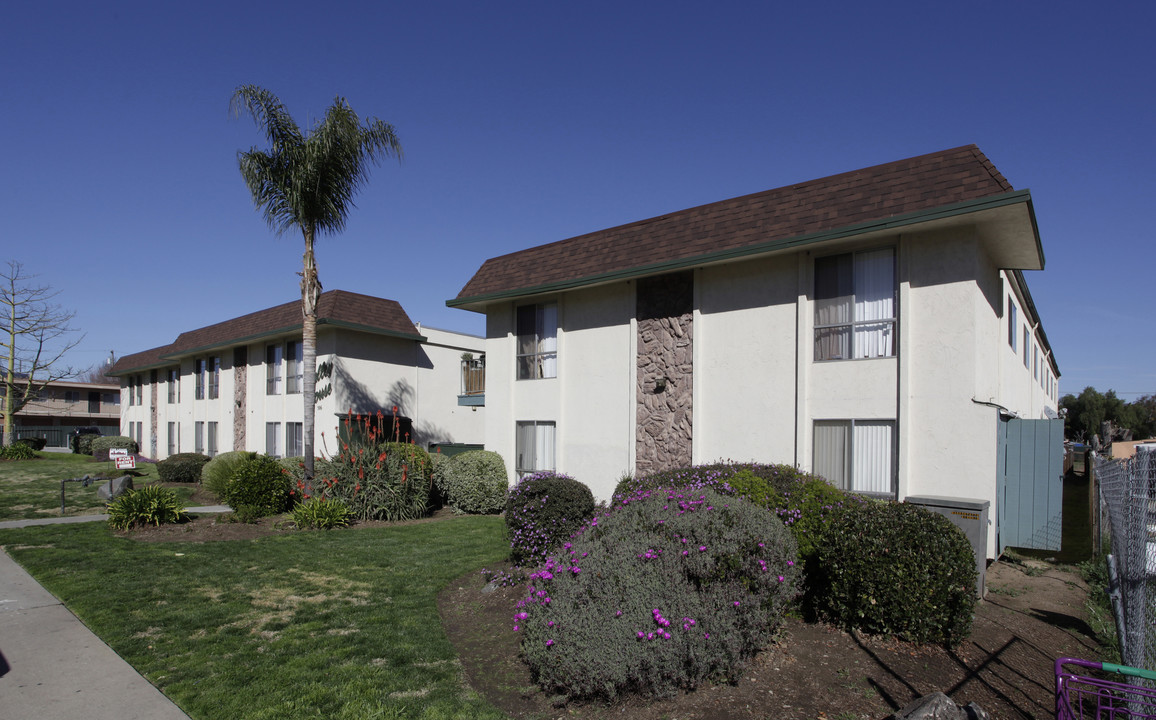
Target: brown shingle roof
[(143, 360), (336, 307), (906, 186)]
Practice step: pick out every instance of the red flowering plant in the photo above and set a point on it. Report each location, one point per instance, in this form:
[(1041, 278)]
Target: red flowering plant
[(376, 476)]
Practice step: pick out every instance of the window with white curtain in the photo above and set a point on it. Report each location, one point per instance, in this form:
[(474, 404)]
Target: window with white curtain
[(293, 439), (211, 439), (534, 447), (295, 367), (856, 455), (855, 305), (273, 439), (199, 437), (537, 327), (273, 369)]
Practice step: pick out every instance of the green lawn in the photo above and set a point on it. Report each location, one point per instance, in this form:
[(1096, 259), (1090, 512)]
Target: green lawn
[(31, 488), (326, 624)]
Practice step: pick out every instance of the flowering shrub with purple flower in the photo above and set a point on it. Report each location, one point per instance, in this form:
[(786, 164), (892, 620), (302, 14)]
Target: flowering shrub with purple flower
[(542, 511), (664, 590)]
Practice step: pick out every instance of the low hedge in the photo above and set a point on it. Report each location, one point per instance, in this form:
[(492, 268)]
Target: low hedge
[(36, 443), (259, 486), (102, 444), (895, 569), (476, 483), (182, 467)]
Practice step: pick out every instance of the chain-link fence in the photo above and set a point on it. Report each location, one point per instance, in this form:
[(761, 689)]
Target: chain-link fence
[(1128, 500)]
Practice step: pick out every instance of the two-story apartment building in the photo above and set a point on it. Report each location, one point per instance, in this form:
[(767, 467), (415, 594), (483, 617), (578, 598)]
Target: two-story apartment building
[(874, 327), (64, 405), (237, 385)]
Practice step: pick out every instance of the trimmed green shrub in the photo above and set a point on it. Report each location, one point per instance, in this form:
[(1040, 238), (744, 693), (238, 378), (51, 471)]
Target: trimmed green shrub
[(542, 511), (102, 444), (182, 467), (895, 569), (36, 443), (755, 489), (216, 472), (82, 444), (321, 514), (148, 505), (258, 487), (476, 483), (663, 592), (810, 505), (16, 451)]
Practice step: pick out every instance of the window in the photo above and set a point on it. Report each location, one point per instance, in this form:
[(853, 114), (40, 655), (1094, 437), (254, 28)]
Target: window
[(295, 368), (139, 434), (131, 390), (855, 305), (272, 369), (214, 378), (174, 439), (1012, 323), (199, 380), (1036, 362), (856, 455), (273, 439), (199, 437), (537, 341), (1027, 345), (212, 439), (293, 443), (139, 390), (174, 385), (535, 447), (110, 398), (71, 396)]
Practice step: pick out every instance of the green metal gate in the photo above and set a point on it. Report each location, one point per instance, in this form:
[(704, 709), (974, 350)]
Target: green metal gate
[(1030, 487)]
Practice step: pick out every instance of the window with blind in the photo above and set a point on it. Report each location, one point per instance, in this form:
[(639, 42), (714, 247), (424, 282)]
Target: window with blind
[(537, 327), (294, 367), (856, 455), (273, 439), (855, 305), (534, 447)]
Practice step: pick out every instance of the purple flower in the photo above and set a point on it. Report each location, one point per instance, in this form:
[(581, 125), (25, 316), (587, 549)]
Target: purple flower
[(549, 643)]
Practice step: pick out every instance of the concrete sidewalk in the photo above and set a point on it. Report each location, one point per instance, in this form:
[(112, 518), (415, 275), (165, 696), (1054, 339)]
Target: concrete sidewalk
[(60, 669)]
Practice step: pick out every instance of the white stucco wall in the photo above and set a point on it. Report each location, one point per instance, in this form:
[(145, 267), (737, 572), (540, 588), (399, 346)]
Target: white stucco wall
[(745, 361)]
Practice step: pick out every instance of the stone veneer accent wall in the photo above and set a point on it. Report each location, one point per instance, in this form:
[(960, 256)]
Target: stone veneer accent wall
[(152, 416), (664, 308), (240, 387)]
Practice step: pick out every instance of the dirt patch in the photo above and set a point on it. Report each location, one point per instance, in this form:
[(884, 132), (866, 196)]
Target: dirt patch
[(1033, 613)]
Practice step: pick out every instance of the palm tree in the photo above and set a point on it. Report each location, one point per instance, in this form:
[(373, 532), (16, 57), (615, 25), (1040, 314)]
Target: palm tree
[(308, 181)]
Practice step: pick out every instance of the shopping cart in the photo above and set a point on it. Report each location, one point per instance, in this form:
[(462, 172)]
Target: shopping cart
[(1094, 696)]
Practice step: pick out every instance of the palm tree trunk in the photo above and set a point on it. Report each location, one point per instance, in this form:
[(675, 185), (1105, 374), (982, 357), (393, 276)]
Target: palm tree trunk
[(310, 295)]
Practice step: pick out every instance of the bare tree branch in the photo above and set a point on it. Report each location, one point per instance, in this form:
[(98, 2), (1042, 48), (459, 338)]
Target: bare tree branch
[(36, 335)]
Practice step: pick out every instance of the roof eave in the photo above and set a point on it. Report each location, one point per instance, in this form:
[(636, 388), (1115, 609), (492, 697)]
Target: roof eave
[(478, 303)]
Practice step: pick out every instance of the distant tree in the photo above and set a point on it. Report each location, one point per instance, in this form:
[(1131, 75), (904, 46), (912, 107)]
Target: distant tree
[(36, 336), (307, 181), (95, 374), (1087, 411)]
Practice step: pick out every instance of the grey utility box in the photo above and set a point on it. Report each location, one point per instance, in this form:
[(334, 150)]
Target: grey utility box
[(968, 515)]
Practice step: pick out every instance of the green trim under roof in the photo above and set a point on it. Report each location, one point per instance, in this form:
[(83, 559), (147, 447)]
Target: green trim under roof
[(991, 202)]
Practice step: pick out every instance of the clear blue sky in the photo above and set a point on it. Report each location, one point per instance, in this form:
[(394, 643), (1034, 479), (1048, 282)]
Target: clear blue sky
[(529, 122)]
